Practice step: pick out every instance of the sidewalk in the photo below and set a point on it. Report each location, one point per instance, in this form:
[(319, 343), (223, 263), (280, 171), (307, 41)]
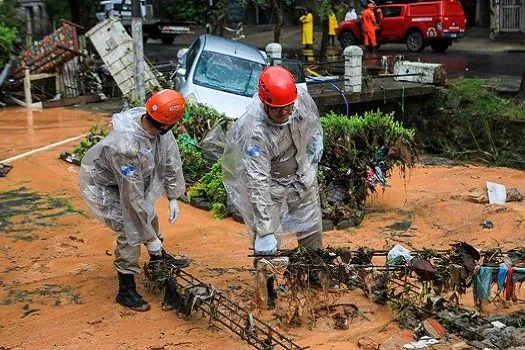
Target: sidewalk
[(476, 40)]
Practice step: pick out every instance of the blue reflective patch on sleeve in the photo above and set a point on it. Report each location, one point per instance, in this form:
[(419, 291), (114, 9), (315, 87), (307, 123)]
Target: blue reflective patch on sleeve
[(127, 170), (253, 151)]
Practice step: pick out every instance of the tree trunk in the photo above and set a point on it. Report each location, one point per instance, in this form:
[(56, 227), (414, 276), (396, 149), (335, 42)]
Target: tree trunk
[(324, 41), (74, 6), (83, 14), (520, 97), (278, 21)]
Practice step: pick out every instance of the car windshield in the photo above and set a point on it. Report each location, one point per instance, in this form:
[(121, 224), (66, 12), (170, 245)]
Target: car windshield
[(227, 73)]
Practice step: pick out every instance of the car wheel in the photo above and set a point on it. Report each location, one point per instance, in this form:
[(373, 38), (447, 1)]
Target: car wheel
[(415, 41), (439, 46), (347, 39), (167, 39)]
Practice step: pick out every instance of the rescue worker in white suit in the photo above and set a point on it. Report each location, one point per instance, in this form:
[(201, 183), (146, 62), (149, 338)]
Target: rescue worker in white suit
[(122, 177), (270, 164)]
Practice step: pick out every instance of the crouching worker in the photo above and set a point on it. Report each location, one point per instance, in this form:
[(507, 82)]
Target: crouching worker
[(123, 175), (270, 164)]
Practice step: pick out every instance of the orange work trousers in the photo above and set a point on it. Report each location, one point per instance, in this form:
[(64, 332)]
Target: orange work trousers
[(370, 37)]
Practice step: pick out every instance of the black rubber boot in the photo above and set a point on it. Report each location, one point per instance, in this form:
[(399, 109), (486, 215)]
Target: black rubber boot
[(170, 259), (127, 294), (272, 294)]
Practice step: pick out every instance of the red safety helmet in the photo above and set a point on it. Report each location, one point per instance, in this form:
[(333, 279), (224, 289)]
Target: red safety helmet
[(166, 107), (277, 87)]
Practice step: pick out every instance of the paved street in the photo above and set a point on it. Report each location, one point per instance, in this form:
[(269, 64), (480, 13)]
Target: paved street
[(474, 56)]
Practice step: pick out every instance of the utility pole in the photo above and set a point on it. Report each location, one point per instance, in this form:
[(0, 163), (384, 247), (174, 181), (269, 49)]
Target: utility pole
[(138, 46)]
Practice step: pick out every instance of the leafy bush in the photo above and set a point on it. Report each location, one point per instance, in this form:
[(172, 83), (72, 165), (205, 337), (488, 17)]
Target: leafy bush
[(7, 36), (355, 149), (211, 189), (95, 135), (193, 163), (198, 120), (185, 11)]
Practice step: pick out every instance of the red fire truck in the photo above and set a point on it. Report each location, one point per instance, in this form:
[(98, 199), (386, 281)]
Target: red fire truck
[(418, 24)]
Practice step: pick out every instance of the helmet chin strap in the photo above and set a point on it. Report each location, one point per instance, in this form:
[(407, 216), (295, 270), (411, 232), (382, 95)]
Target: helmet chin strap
[(162, 128)]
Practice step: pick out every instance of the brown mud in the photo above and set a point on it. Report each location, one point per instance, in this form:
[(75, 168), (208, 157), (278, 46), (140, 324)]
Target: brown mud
[(57, 287)]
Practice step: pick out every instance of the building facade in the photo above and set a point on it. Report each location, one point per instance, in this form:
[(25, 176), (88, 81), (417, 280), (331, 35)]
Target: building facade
[(37, 20)]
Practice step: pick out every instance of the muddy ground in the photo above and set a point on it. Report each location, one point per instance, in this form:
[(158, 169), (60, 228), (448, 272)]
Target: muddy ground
[(57, 283)]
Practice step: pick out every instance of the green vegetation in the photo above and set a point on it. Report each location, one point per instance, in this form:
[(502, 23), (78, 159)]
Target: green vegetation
[(95, 135), (198, 120), (472, 122), (193, 163), (7, 37), (479, 100), (210, 188), (354, 148)]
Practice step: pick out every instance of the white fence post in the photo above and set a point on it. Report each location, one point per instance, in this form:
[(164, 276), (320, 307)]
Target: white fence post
[(274, 50), (353, 68)]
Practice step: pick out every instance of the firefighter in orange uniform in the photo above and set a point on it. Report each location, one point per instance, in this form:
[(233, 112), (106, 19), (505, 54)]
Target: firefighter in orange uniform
[(369, 26)]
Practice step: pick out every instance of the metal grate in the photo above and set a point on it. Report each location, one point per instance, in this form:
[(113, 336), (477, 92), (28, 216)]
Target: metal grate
[(510, 18), (224, 312)]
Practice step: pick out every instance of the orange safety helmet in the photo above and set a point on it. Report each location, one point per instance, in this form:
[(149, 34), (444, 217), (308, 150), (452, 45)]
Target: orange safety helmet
[(277, 87), (166, 106)]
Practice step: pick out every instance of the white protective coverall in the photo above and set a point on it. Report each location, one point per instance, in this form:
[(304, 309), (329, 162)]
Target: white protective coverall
[(122, 177), (270, 170)]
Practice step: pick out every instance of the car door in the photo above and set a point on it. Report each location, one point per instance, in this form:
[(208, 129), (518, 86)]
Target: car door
[(392, 24)]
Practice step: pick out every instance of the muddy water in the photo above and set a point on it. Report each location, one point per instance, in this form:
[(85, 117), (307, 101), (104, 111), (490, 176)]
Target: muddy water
[(22, 130), (57, 290)]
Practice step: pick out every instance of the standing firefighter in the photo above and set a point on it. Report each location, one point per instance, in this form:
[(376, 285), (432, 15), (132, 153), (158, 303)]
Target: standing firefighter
[(332, 25), (369, 26), (270, 164), (122, 177), (308, 28)]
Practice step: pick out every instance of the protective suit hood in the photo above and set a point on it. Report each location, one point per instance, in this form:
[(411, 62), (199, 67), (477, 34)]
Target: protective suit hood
[(130, 122)]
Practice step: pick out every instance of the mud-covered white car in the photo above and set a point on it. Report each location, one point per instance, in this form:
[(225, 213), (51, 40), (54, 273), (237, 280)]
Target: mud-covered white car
[(221, 73)]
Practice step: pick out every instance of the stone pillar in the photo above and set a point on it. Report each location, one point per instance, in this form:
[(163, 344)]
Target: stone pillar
[(274, 50), (353, 68)]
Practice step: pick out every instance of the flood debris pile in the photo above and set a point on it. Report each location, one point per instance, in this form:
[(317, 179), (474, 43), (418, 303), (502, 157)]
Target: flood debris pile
[(189, 296), (419, 286), (77, 76), (359, 155)]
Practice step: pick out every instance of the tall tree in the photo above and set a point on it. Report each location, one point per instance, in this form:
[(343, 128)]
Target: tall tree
[(325, 9), (277, 13), (277, 7)]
